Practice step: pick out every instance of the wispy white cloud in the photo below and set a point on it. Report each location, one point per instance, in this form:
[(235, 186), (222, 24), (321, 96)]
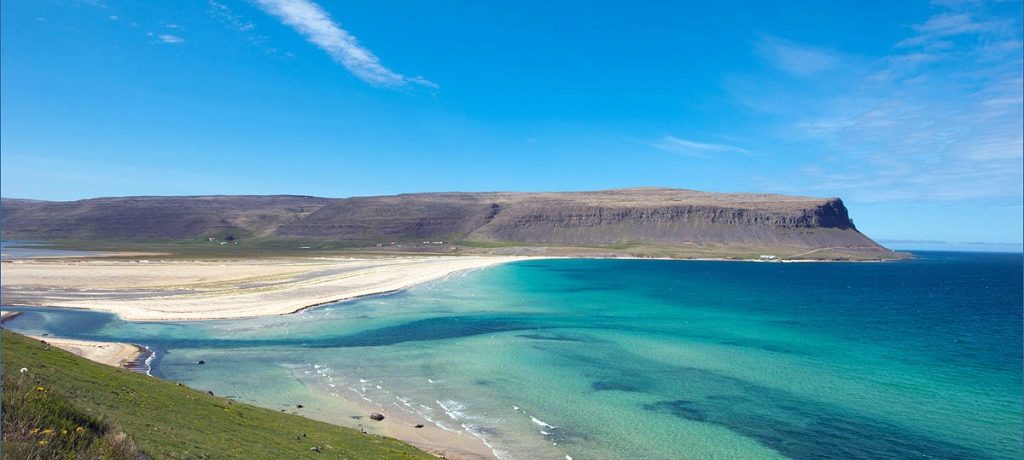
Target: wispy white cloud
[(236, 21), (940, 117), (795, 58), (172, 39), (673, 144), (310, 20), (935, 32), (226, 14)]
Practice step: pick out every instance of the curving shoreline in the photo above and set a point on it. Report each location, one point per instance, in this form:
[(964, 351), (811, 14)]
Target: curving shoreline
[(156, 290), (115, 354)]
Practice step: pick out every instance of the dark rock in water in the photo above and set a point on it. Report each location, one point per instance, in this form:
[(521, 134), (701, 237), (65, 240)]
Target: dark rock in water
[(201, 362), (419, 425), (299, 406), (209, 393), (376, 416)]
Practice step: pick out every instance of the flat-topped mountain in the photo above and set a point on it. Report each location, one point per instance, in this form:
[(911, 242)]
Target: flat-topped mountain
[(612, 219)]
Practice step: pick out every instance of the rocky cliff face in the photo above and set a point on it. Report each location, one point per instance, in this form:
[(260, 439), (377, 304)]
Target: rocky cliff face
[(596, 224), (633, 216)]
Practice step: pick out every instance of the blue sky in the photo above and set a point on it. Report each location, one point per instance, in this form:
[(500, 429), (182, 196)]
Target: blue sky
[(912, 112)]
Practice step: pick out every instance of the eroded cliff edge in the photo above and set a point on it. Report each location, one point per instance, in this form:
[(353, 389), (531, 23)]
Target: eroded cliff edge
[(643, 222)]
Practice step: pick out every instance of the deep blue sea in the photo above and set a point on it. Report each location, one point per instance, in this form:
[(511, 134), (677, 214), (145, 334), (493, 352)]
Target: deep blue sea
[(642, 358)]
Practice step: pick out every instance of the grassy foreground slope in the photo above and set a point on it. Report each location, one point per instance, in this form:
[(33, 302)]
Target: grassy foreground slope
[(123, 413)]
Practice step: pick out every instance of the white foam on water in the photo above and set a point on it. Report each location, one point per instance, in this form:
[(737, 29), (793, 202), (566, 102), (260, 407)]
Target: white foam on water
[(361, 394), (149, 360), (452, 408), (475, 431), (442, 426), (542, 423)]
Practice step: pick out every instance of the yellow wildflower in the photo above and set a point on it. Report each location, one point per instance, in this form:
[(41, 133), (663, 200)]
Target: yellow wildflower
[(40, 388), (63, 431), (79, 430), (42, 443), (33, 431), (48, 431)]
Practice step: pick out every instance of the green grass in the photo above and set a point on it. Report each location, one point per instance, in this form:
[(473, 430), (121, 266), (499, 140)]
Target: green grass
[(124, 414), (258, 248), (39, 422)]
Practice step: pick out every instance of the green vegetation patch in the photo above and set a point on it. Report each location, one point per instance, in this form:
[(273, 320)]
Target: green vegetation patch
[(39, 422), (123, 414)]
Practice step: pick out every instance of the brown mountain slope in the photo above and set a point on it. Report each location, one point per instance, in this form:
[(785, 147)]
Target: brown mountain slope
[(145, 218), (662, 217)]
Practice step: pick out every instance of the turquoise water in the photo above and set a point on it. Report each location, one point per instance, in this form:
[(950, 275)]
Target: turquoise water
[(644, 359)]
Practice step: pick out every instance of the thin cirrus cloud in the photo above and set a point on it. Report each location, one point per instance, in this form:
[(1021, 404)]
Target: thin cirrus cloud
[(938, 116), (673, 144), (794, 58), (313, 23), (171, 39), (939, 27)]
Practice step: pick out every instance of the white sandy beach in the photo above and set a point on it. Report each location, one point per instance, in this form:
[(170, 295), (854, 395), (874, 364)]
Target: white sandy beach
[(156, 290), (110, 353)]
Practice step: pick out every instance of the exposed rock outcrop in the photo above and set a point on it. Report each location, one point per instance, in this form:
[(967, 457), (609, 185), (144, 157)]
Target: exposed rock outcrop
[(652, 216)]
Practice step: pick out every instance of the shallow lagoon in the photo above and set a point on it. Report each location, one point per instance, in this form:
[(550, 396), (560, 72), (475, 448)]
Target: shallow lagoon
[(648, 359)]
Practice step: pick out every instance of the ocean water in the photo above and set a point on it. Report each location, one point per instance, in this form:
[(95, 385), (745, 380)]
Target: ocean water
[(643, 359)]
